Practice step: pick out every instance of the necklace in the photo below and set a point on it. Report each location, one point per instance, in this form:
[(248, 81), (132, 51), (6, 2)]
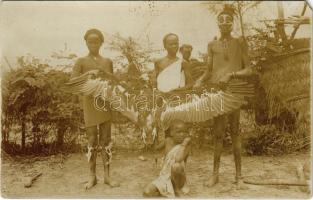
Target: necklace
[(225, 45), (94, 57)]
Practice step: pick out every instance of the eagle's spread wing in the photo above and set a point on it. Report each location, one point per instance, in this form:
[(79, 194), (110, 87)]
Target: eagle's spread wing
[(210, 105), (85, 86)]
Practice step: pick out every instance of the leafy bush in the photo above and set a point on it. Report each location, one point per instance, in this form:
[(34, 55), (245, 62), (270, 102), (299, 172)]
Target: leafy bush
[(32, 95), (277, 139)]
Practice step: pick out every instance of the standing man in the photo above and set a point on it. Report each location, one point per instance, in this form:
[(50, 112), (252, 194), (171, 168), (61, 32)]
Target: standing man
[(97, 122), (186, 50), (171, 73), (227, 59)]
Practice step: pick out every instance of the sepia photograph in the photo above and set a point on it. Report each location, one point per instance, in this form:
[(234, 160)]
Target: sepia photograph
[(156, 99)]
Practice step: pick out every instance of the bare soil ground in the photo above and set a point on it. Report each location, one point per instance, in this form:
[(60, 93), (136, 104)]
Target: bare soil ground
[(63, 176)]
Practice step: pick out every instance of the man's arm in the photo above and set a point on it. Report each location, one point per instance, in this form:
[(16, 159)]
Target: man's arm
[(77, 69), (244, 53), (206, 74), (243, 73), (247, 69), (184, 150), (187, 70), (209, 64)]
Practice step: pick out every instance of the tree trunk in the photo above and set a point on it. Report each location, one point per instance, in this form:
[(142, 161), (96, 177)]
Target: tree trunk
[(5, 130), (293, 34), (4, 133), (35, 131), (281, 26), (60, 136), (23, 133)]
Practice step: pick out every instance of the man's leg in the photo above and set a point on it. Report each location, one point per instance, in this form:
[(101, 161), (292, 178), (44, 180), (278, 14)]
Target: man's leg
[(151, 191), (104, 141), (160, 107), (233, 119), (219, 129), (92, 155), (178, 178), (178, 175)]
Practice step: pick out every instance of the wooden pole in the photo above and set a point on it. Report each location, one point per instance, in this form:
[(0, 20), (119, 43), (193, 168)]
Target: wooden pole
[(6, 60), (298, 25), (240, 18)]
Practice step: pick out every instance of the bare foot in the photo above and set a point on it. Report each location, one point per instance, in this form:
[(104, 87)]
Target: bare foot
[(212, 181), (91, 182), (179, 193), (111, 183), (240, 185), (185, 189)]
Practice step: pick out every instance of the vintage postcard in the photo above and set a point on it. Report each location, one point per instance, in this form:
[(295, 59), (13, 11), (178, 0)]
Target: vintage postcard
[(154, 99)]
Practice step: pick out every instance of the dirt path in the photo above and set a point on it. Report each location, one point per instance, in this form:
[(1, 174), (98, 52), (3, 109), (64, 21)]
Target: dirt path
[(65, 180)]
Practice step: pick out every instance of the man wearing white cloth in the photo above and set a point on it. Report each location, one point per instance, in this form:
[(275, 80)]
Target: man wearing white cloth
[(172, 73)]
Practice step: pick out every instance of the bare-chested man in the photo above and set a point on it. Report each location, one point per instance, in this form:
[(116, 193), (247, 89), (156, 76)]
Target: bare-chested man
[(172, 179), (185, 51), (97, 122), (227, 59)]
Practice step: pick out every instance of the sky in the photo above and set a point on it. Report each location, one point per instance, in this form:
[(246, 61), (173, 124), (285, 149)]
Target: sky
[(40, 28)]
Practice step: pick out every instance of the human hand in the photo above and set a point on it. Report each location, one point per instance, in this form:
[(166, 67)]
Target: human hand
[(186, 141), (197, 83), (226, 78), (93, 73)]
